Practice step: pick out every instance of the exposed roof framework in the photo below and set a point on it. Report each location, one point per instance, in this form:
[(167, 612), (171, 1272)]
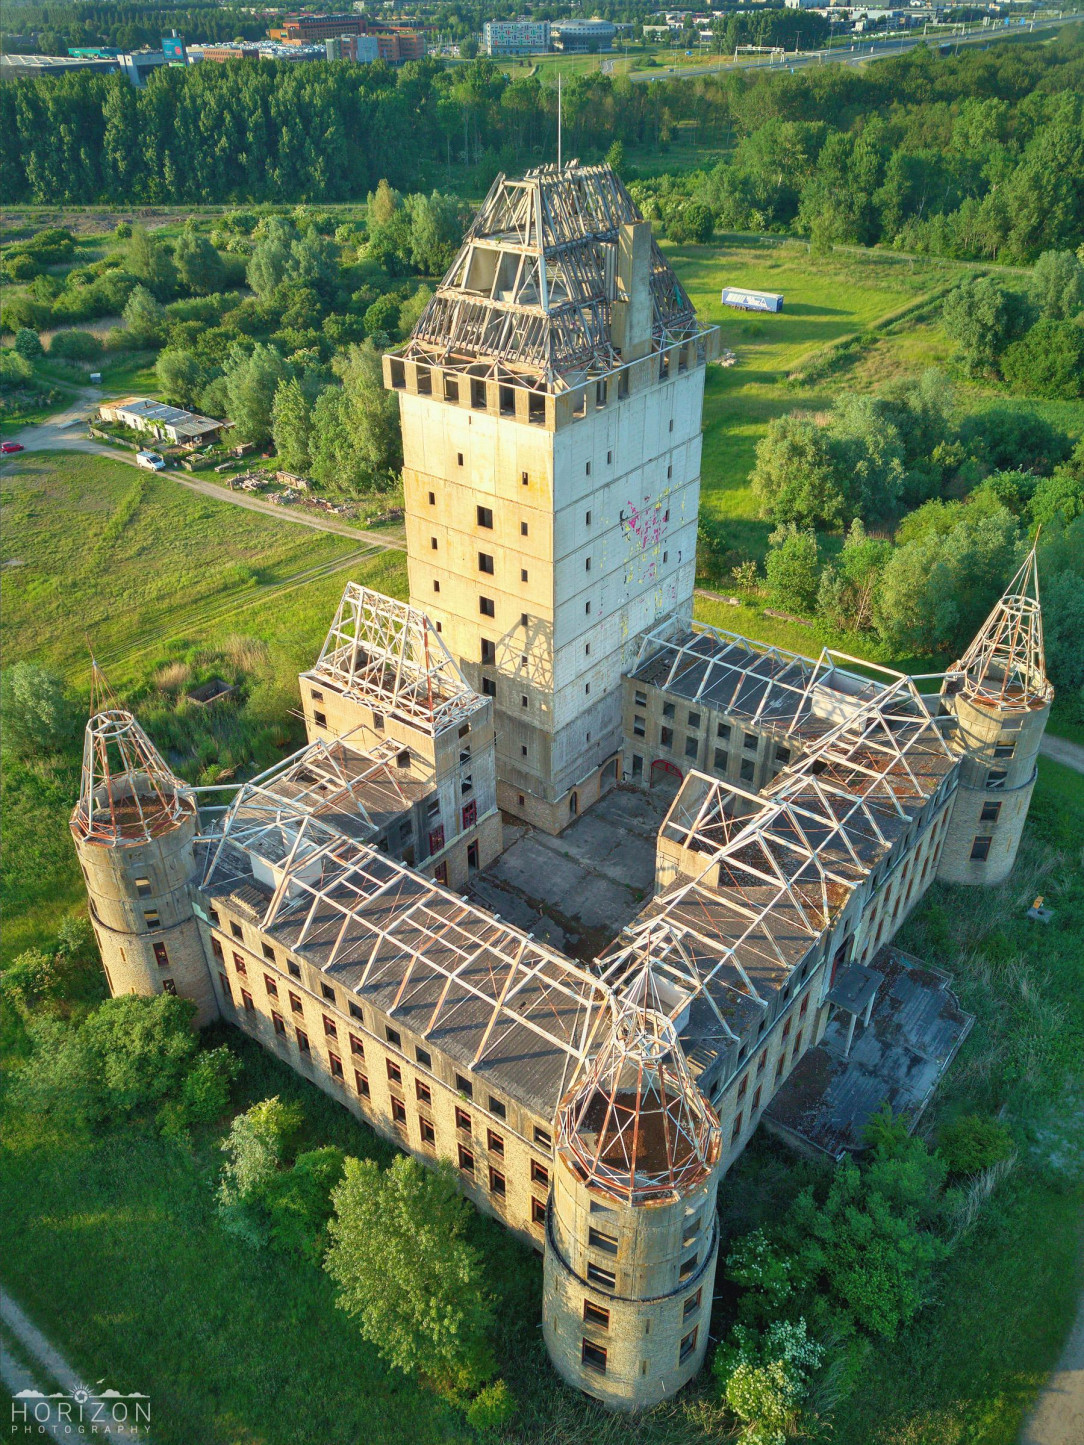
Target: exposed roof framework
[(770, 687), (1005, 666), (890, 751), (637, 1127), (127, 794), (450, 966), (389, 655), (528, 298)]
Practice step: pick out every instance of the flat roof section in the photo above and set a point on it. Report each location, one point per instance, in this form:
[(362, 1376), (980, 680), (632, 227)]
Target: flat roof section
[(914, 1032)]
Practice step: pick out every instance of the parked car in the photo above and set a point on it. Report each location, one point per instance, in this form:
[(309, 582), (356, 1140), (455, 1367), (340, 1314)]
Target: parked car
[(150, 461), (8, 447)]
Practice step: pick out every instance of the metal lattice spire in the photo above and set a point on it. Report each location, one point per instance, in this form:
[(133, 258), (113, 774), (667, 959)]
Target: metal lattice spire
[(127, 793), (1005, 665), (390, 655), (637, 1127)]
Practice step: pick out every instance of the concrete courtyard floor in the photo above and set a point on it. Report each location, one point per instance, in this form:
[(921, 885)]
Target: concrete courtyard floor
[(576, 892)]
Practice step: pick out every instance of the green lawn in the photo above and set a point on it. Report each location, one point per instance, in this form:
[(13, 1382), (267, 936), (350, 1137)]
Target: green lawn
[(828, 299), (186, 573)]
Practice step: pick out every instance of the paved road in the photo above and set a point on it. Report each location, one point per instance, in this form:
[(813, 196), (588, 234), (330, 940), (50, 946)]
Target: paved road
[(1061, 750), (1058, 1416), (863, 51), (65, 432)]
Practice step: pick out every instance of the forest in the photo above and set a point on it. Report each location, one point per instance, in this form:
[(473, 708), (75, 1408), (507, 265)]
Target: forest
[(978, 156)]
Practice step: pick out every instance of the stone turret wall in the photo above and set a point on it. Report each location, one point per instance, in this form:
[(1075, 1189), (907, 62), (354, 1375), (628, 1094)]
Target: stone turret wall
[(997, 778), (636, 1341), (142, 915)]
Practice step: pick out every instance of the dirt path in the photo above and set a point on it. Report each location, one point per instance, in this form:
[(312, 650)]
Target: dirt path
[(1058, 1416), (64, 432), (1061, 750), (79, 1401)]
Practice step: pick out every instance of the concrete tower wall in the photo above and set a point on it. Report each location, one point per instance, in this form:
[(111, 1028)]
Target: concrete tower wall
[(589, 516), (637, 1342), (997, 779), (142, 915)]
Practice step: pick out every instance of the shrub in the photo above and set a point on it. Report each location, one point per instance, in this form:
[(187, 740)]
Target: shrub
[(35, 711), (765, 1378), (75, 345), (491, 1408), (254, 1150), (792, 568), (298, 1200), (28, 344), (14, 369), (973, 1142), (1048, 361), (140, 1048)]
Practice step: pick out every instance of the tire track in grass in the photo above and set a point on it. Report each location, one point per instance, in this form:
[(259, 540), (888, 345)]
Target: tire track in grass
[(216, 612)]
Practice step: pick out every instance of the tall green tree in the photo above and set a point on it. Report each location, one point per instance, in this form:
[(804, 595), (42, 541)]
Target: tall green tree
[(794, 477), (180, 377), (1057, 285), (150, 261), (251, 379), (981, 317), (355, 439), (199, 265), (291, 426), (405, 1272), (145, 318)]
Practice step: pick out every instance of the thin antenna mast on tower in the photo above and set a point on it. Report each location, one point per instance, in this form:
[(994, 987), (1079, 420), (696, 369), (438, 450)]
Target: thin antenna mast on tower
[(558, 120)]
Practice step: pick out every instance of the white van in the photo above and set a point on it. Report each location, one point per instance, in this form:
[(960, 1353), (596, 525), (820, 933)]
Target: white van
[(150, 461)]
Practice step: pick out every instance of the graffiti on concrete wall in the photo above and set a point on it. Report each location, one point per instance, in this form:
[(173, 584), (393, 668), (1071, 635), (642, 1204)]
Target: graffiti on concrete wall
[(643, 526)]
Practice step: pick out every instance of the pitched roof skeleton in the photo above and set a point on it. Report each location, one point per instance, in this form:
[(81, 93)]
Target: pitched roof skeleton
[(1005, 664), (528, 298), (388, 653)]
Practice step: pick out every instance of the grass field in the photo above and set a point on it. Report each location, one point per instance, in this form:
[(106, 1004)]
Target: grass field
[(145, 571), (827, 299)]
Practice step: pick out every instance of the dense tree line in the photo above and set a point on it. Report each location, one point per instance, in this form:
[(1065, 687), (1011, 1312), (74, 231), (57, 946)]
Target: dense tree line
[(980, 155), (51, 29)]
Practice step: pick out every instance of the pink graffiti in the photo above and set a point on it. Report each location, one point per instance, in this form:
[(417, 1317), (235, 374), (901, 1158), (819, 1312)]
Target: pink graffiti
[(643, 524)]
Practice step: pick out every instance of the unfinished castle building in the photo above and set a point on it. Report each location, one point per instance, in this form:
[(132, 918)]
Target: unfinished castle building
[(591, 1105)]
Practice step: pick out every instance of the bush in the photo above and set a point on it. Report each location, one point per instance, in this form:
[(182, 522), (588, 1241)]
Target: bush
[(765, 1378), (1005, 439), (1048, 361), (491, 1408), (28, 344), (75, 345), (36, 714), (14, 369), (792, 568), (973, 1142)]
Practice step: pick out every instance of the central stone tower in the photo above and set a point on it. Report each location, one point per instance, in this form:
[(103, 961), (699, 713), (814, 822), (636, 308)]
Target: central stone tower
[(550, 399)]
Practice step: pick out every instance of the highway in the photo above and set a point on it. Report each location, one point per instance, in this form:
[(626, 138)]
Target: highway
[(859, 53)]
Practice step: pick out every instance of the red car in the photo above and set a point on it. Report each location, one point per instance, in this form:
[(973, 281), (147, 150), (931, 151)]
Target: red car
[(11, 447)]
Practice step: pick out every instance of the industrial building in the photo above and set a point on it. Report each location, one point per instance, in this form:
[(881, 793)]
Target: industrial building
[(167, 423), (328, 907)]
